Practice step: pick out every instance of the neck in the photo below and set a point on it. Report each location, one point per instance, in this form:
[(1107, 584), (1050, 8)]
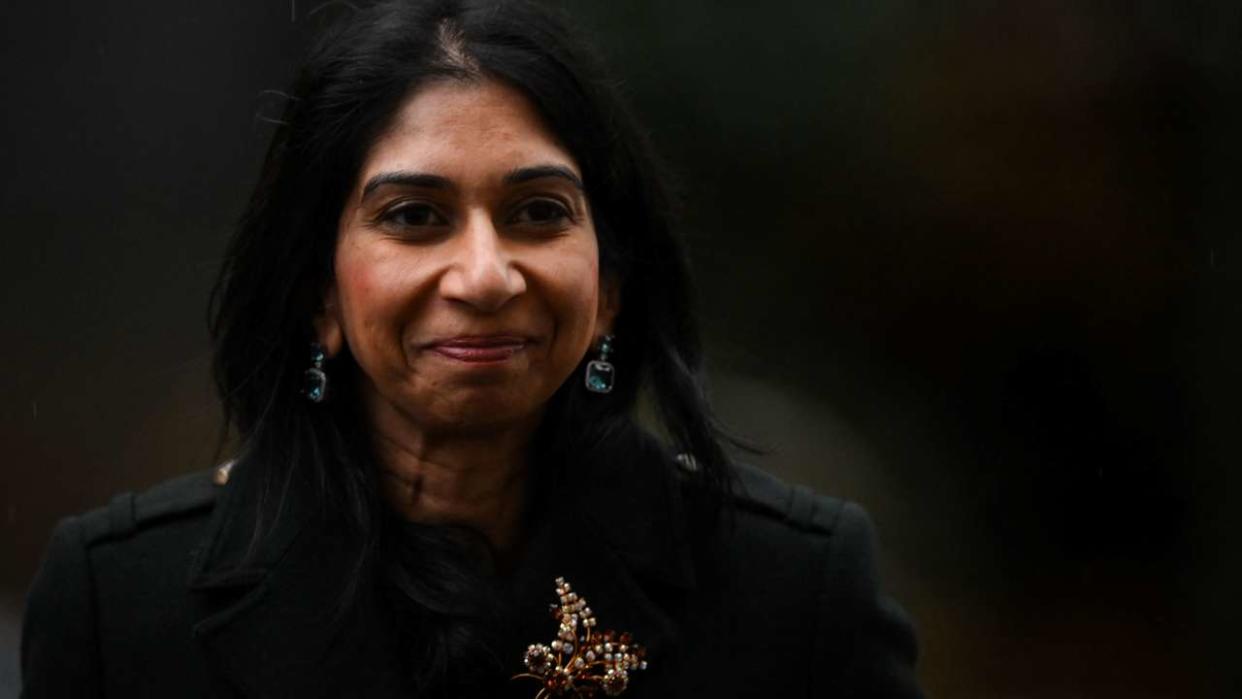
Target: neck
[(477, 480)]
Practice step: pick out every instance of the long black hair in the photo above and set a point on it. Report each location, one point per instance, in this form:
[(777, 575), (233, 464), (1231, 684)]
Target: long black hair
[(279, 262)]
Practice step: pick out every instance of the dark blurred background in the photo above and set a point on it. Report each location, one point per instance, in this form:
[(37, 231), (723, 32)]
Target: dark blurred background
[(975, 267)]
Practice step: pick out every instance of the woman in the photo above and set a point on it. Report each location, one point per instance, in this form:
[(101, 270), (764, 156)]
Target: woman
[(453, 283)]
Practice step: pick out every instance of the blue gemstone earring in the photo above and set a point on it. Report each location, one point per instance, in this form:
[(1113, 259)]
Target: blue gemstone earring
[(314, 380), (600, 373)]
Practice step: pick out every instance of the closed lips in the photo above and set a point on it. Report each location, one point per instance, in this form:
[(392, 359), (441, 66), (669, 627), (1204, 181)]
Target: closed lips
[(480, 348), (481, 341)]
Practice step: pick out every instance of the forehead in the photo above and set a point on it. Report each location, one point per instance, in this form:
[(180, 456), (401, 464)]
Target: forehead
[(463, 130)]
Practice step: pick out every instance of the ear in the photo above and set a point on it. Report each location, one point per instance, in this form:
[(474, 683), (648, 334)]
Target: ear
[(327, 322), (609, 306)]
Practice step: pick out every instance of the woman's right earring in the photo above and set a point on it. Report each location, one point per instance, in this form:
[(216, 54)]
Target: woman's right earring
[(600, 373), (314, 380)]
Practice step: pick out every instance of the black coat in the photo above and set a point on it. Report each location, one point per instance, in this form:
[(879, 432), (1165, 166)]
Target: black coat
[(143, 598)]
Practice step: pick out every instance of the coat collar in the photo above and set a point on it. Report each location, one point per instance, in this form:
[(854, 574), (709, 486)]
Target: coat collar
[(616, 530), (267, 608), (632, 493)]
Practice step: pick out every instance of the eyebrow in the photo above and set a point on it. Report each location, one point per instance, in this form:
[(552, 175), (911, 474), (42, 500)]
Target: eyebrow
[(536, 172), (407, 179), (429, 181)]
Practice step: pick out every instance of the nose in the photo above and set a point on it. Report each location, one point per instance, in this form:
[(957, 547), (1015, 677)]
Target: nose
[(482, 274)]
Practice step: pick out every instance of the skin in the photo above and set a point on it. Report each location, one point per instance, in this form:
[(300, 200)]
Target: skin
[(467, 287)]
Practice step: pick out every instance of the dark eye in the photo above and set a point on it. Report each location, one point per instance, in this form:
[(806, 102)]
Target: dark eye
[(543, 212), (413, 215)]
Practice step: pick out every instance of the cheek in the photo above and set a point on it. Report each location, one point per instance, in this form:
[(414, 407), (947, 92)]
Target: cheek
[(374, 289), (575, 293), (361, 285)]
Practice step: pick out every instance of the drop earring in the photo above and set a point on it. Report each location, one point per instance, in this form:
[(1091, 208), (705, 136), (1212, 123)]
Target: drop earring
[(314, 380), (600, 373)]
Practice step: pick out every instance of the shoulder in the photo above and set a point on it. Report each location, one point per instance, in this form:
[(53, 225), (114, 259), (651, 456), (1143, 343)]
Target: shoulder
[(756, 497), (128, 515), (182, 505), (804, 576), (806, 539), (97, 569), (776, 535), (839, 533), (140, 544), (797, 507)]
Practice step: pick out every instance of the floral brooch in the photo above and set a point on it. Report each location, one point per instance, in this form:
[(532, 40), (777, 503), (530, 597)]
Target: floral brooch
[(581, 661)]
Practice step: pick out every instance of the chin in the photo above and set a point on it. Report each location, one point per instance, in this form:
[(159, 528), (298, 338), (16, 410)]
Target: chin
[(480, 411)]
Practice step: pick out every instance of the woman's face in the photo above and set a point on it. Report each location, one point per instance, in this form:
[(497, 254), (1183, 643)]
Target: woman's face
[(467, 280)]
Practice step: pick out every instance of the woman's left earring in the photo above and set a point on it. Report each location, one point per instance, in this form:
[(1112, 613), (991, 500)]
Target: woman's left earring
[(314, 380), (600, 373)]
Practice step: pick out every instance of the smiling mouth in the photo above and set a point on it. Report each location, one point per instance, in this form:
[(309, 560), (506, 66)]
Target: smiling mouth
[(480, 349)]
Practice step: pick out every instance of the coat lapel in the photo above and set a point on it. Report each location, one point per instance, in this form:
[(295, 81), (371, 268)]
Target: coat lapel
[(617, 533), (269, 622)]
